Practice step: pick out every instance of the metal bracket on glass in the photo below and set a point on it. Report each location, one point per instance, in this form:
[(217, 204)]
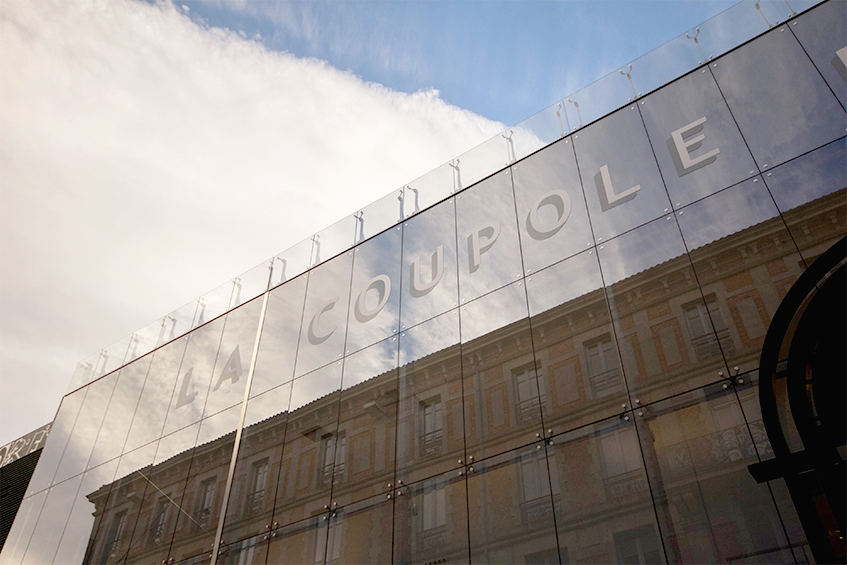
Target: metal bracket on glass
[(578, 113), (510, 146), (697, 42), (761, 13), (628, 75)]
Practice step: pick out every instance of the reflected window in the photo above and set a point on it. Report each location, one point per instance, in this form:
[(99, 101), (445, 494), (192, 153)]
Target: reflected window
[(535, 485), (205, 501), (432, 512), (432, 426), (637, 546), (333, 548), (157, 523), (702, 337), (333, 456), (603, 369), (257, 487), (529, 392), (113, 540), (622, 464)]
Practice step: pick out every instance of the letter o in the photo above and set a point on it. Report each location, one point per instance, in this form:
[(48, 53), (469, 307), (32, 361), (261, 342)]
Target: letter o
[(558, 198), (383, 285)]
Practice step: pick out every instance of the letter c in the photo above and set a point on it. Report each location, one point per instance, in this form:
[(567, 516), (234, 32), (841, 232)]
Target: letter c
[(316, 337)]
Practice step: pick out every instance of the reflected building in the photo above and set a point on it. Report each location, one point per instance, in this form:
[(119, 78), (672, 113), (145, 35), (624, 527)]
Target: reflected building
[(556, 364)]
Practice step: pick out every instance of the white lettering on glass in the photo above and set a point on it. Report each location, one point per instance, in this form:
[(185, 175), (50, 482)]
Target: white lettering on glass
[(315, 335), (560, 200), (416, 287), (490, 232), (232, 370), (380, 283), (608, 198), (184, 398), (683, 142)]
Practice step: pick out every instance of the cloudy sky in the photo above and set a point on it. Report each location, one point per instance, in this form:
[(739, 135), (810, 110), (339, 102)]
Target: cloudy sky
[(149, 152)]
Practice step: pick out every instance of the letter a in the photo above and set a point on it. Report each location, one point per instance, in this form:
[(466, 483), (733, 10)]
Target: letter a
[(232, 370)]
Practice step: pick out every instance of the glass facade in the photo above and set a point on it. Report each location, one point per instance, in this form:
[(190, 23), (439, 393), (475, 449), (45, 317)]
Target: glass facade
[(544, 360)]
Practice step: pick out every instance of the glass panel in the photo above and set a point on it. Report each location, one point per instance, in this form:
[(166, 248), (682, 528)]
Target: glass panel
[(545, 127), (483, 160), (333, 240), (604, 513), (737, 24), (822, 34), (598, 99), (145, 340), (291, 262), (234, 354), (84, 372), (375, 310), (696, 141), (303, 542), (430, 422), (493, 311), (810, 193), (429, 265), (155, 396), (779, 100), (429, 189), (84, 518), (619, 174), (697, 448), (305, 476), (576, 355), (214, 303), (79, 446), (251, 284), (367, 422), (512, 525), (431, 521), (324, 326), (659, 316), (489, 252), (379, 216), (745, 262), (357, 532), (51, 523), (663, 64), (280, 332), (251, 501), (551, 208), (113, 356), (178, 322), (20, 534), (61, 430), (195, 375), (251, 551)]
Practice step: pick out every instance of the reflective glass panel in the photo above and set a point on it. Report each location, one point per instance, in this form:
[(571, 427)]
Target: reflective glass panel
[(280, 333), (195, 375), (113, 356), (697, 448), (431, 520), (696, 141), (214, 303), (324, 326), (552, 216), (21, 532), (430, 428), (357, 532), (489, 252), (291, 262), (540, 130), (737, 24), (251, 551), (619, 174), (577, 364), (51, 524), (483, 160), (493, 311), (374, 311), (663, 64), (144, 340), (178, 322), (510, 504), (156, 395), (302, 542), (604, 513), (61, 430), (598, 99), (822, 34), (379, 215), (779, 100), (333, 240), (428, 190), (251, 284), (229, 376), (430, 284)]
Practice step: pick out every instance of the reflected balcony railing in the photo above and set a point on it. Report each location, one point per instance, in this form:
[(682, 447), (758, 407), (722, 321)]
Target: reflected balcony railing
[(432, 538), (255, 503), (626, 485), (330, 473), (688, 51), (706, 346), (538, 509), (724, 448), (202, 518), (431, 443), (606, 383), (529, 411)]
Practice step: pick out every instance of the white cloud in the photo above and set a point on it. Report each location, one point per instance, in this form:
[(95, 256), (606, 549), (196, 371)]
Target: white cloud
[(145, 159)]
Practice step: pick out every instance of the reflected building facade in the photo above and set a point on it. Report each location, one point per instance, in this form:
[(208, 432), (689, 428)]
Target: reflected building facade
[(555, 364)]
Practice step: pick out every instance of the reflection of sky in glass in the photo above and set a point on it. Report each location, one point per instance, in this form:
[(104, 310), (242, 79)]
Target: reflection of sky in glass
[(144, 340), (271, 403), (136, 459), (663, 64), (488, 202), (493, 311), (333, 240), (726, 212), (778, 98), (425, 191), (484, 159), (325, 316), (597, 99), (821, 33), (176, 443), (379, 215), (56, 441), (378, 256), (563, 282), (25, 520), (315, 385), (429, 337), (214, 303), (736, 25), (291, 262), (178, 322), (251, 284), (421, 237), (51, 523), (809, 177), (551, 169), (371, 362), (535, 132), (640, 249), (219, 425), (280, 332)]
